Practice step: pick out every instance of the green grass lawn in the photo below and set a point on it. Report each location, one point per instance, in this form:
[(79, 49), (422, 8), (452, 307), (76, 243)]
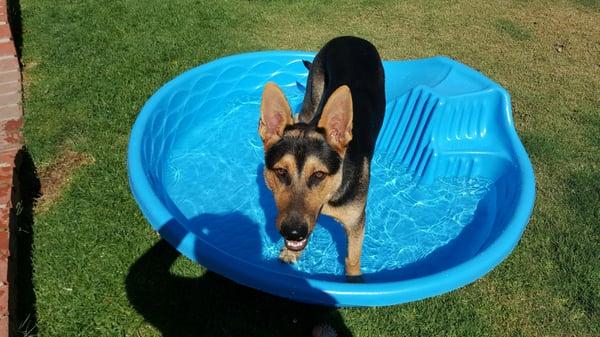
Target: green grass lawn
[(97, 267)]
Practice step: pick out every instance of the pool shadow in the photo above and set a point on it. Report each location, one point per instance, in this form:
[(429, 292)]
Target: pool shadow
[(212, 305)]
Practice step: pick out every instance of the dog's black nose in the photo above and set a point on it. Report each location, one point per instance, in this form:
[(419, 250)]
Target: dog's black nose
[(294, 230)]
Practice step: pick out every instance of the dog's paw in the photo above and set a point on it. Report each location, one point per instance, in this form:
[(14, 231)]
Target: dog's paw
[(289, 256)]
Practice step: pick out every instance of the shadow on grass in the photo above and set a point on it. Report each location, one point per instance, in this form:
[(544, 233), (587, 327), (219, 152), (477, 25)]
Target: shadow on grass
[(16, 27), (23, 317), (212, 305)]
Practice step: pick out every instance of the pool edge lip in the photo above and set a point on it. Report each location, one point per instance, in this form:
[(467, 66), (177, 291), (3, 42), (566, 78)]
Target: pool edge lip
[(350, 294)]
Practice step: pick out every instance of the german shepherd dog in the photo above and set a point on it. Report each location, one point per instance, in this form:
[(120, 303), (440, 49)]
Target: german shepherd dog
[(319, 161)]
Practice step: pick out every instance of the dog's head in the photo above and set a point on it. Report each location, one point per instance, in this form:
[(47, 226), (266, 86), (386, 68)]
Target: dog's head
[(302, 161)]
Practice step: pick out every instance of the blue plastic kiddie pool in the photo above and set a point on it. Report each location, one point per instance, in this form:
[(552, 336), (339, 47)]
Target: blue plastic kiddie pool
[(451, 191)]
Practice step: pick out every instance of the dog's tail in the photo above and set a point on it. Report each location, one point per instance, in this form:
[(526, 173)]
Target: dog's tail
[(307, 64)]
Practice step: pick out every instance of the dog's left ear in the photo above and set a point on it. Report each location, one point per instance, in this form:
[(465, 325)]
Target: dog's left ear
[(275, 115), (336, 119)]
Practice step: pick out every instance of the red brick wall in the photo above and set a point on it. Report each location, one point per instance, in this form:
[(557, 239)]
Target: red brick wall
[(11, 120)]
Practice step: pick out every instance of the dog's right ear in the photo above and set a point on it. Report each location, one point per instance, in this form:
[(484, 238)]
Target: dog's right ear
[(275, 115)]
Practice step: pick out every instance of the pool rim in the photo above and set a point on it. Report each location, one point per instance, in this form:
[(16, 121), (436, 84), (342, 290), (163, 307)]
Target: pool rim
[(306, 289)]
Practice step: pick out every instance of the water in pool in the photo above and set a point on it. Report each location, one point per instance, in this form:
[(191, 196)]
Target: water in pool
[(214, 177)]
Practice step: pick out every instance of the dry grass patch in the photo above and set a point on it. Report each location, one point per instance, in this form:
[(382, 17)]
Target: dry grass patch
[(56, 176)]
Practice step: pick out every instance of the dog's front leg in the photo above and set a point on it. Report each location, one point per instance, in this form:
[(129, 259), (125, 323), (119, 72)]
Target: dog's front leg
[(352, 217), (356, 234), (289, 256)]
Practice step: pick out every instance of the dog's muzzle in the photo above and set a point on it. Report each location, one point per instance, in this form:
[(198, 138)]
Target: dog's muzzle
[(295, 234)]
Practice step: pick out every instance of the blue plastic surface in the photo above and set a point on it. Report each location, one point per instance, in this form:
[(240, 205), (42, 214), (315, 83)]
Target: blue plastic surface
[(451, 193)]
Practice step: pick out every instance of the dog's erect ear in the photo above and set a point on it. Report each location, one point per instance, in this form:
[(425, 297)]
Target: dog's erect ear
[(336, 119), (275, 115)]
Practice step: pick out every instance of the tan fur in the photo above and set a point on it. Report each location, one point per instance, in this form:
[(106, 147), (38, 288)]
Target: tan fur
[(336, 119), (289, 256), (282, 194), (322, 193), (315, 135), (294, 133), (275, 115), (313, 198), (352, 217)]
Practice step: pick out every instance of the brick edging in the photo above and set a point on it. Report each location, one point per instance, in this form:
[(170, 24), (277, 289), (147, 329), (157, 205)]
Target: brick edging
[(11, 120)]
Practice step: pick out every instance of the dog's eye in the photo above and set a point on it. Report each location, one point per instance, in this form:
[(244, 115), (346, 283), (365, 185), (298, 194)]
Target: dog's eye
[(282, 175), (281, 172), (316, 178)]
